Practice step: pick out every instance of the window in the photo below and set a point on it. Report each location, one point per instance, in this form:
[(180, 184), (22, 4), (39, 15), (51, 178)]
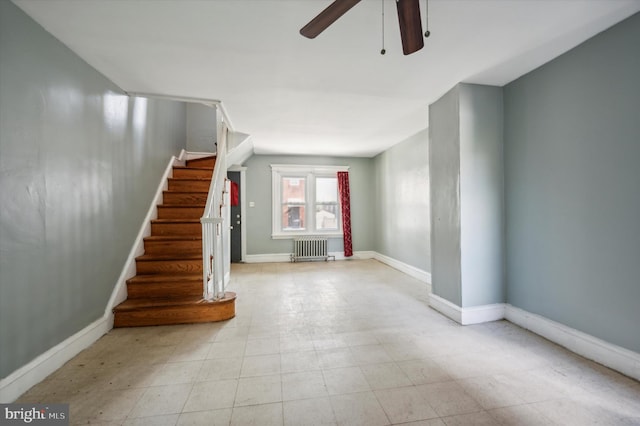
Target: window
[(305, 200)]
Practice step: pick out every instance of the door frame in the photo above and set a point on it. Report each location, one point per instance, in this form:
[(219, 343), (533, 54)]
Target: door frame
[(243, 208)]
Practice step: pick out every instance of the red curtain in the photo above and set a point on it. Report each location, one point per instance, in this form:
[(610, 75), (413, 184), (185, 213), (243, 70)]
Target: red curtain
[(234, 194), (345, 202)]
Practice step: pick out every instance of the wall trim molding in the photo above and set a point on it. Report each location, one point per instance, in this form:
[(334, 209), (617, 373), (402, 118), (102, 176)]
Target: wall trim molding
[(32, 373), (412, 271), (21, 380), (467, 316), (615, 357), (268, 258), (620, 359), (446, 308)]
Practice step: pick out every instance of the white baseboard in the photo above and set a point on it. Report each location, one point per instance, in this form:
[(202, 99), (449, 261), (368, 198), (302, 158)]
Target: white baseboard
[(446, 308), (615, 357), (467, 316), (412, 271), (268, 258), (286, 257), (21, 380), (483, 313), (620, 359)]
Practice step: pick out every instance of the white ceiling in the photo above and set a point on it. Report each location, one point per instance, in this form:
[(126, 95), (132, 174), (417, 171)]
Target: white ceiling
[(334, 95)]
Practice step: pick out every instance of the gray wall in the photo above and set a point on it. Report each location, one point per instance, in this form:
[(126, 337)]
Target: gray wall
[(402, 202), (467, 220), (481, 195), (201, 128), (258, 220), (444, 178), (79, 165), (572, 154)]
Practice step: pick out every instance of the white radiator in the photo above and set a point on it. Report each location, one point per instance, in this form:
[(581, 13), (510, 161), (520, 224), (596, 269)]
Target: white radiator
[(309, 248)]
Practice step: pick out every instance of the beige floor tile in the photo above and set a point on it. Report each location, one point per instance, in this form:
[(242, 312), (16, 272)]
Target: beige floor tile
[(191, 351), (532, 386), (430, 422), (206, 418), (335, 358), (168, 420), (211, 395), (159, 400), (232, 334), (403, 351), (292, 342), (345, 380), (569, 412), (524, 415), (177, 372), (268, 346), (262, 365), (303, 385), (221, 368), (259, 390), (490, 393), (358, 409), (258, 415), (370, 354), (384, 376), (227, 349), (448, 399), (309, 412), (329, 342), (360, 338), (481, 418), (404, 405), (324, 328), (299, 361), (424, 371)]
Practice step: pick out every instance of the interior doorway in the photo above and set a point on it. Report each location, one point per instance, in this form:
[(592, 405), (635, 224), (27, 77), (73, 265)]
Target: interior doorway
[(237, 238)]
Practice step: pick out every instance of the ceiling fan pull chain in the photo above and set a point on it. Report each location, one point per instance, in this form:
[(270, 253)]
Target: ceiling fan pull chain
[(383, 51), (427, 33)]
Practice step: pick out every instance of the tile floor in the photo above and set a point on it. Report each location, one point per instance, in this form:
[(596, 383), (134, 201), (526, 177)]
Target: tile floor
[(337, 343)]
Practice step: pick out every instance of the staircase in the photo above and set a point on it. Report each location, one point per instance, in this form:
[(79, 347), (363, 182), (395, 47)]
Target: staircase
[(168, 286)]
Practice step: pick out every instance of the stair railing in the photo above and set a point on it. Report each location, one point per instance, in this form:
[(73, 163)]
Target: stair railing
[(215, 221)]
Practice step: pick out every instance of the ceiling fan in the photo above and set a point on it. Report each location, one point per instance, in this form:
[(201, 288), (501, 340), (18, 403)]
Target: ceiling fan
[(408, 17)]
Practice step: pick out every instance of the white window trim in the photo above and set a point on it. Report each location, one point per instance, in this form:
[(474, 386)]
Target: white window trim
[(280, 170)]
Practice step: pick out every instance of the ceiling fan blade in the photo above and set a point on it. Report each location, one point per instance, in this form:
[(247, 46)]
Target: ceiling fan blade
[(327, 17), (410, 25)]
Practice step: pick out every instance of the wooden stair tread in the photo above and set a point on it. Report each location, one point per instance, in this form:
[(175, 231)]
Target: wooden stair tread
[(167, 287), (175, 221), (193, 168), (155, 278), (141, 304), (173, 256), (173, 238), (199, 179), (188, 192), (197, 162), (179, 206), (133, 304)]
